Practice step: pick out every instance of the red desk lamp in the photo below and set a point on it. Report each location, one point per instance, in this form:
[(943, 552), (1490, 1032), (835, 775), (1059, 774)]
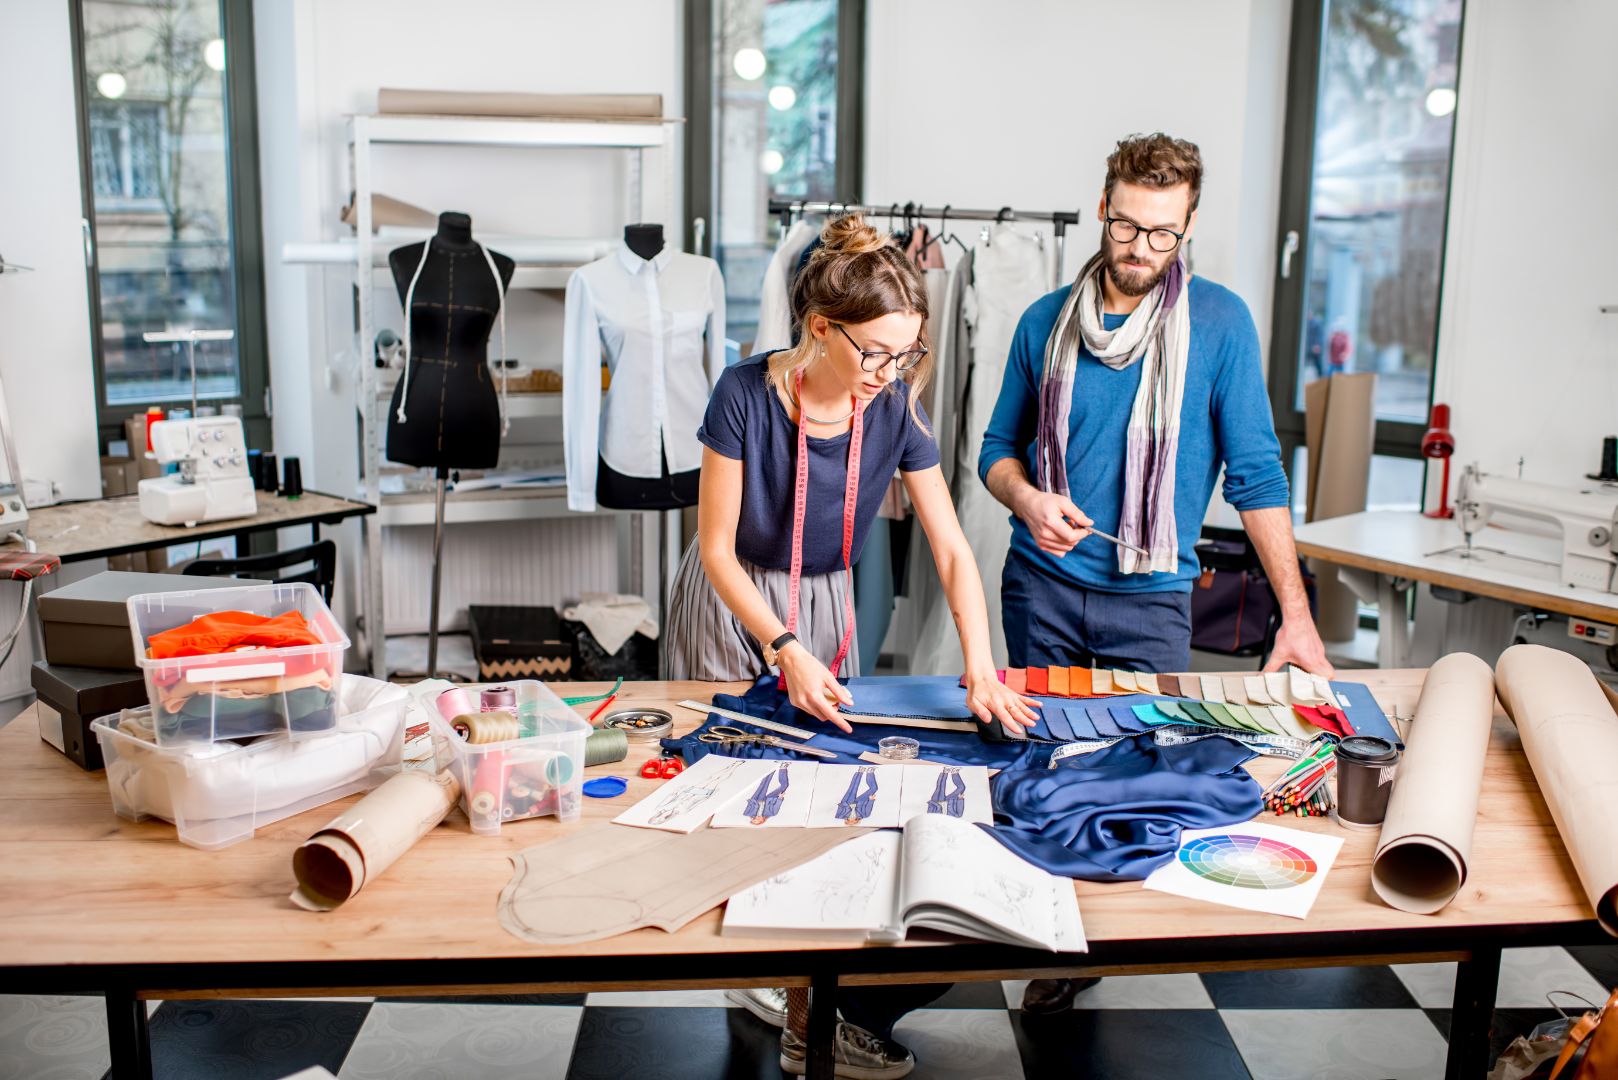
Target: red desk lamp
[(1439, 443)]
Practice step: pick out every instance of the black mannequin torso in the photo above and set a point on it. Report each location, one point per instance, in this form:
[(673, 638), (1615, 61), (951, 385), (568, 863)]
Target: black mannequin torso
[(452, 413), (644, 240)]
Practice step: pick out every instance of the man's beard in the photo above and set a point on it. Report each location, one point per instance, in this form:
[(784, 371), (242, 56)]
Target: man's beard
[(1127, 280)]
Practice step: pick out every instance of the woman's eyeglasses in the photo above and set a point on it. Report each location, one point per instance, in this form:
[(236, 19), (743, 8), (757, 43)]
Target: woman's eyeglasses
[(874, 360)]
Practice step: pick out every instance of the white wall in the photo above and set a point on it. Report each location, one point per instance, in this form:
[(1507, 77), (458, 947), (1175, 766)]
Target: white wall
[(970, 108), (1525, 358), (45, 355)]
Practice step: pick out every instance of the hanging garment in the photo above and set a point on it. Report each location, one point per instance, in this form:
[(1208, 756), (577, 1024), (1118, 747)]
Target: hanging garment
[(923, 249), (649, 317), (1009, 272), (775, 298)]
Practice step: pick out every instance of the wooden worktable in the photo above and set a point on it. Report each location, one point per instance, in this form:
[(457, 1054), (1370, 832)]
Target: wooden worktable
[(92, 900)]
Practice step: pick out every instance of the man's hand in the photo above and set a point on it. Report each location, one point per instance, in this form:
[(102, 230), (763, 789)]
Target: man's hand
[(1053, 519), (1298, 642)]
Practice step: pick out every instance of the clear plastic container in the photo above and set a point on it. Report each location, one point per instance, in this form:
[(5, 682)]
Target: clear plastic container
[(218, 794), (237, 695), (539, 773)]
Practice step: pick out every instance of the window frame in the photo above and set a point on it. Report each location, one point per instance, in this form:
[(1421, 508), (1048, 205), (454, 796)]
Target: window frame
[(1394, 438), (246, 228)]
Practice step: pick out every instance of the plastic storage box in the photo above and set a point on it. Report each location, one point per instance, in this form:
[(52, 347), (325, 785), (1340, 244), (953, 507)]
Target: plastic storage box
[(537, 774), (236, 695), (218, 794)]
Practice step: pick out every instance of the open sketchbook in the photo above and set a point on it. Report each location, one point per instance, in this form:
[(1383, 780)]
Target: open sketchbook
[(938, 872)]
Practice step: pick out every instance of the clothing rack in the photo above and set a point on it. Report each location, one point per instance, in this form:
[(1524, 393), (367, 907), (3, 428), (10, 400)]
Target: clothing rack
[(791, 210)]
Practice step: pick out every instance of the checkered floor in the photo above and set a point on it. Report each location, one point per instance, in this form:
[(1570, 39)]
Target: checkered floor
[(1343, 1022)]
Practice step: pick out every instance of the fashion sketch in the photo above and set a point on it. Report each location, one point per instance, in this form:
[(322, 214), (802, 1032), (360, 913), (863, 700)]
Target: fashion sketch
[(678, 802), (953, 803), (764, 804), (855, 806)]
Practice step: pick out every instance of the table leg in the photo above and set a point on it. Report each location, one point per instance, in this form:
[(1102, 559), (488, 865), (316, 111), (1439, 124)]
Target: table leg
[(1392, 622), (1476, 981), (822, 1027), (128, 1038)]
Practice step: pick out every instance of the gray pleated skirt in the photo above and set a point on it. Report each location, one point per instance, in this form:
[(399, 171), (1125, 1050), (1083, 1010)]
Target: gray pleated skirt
[(703, 640)]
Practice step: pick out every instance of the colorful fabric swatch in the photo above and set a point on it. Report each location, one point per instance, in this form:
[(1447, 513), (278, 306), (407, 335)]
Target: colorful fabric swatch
[(1213, 688), (1056, 681), (1016, 680), (1038, 681), (1146, 682), (1079, 682), (1255, 691), (1170, 685), (1125, 682), (1101, 681)]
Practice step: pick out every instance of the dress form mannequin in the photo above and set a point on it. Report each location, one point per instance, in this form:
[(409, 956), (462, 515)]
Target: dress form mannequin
[(444, 412), (671, 490)]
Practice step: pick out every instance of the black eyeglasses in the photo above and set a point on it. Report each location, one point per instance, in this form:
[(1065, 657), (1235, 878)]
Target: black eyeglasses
[(1124, 231), (874, 360)]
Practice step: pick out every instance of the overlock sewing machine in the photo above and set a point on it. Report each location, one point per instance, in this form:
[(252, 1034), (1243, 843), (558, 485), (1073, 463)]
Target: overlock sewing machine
[(212, 484)]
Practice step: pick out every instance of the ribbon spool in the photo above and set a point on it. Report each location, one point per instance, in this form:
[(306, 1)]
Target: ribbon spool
[(488, 727), (605, 745)]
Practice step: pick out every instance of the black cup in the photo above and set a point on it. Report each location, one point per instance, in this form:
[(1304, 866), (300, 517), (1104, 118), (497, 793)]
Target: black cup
[(291, 478), (1365, 771)]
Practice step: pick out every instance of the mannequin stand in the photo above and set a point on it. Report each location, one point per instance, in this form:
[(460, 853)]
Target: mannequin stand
[(438, 573)]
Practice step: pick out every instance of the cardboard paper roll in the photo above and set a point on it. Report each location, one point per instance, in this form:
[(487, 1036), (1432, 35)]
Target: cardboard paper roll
[(336, 862), (1569, 730), (474, 103), (1426, 838)]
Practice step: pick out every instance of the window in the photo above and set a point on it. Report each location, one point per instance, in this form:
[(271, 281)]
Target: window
[(778, 89), (1365, 196), (170, 182)]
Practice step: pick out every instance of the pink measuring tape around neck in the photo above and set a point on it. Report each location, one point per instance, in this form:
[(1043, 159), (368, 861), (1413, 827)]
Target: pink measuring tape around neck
[(800, 501)]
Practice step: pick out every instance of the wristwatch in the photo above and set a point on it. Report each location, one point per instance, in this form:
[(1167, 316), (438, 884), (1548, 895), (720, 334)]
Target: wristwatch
[(773, 649)]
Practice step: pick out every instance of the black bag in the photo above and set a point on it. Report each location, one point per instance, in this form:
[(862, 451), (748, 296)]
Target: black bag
[(1233, 608), (636, 660)]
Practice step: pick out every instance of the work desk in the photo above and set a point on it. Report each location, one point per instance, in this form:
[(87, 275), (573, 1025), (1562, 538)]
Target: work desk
[(1391, 549), (91, 900)]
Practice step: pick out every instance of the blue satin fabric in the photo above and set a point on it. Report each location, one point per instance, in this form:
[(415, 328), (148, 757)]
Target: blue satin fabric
[(1114, 814)]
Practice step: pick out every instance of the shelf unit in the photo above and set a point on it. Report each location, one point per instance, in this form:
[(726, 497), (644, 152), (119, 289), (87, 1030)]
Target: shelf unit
[(365, 132)]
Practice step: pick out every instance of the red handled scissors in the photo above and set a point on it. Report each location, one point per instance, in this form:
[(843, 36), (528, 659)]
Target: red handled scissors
[(662, 768)]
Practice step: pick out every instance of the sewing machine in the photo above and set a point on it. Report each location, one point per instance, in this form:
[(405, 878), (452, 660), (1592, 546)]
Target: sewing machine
[(212, 484), (1585, 518)]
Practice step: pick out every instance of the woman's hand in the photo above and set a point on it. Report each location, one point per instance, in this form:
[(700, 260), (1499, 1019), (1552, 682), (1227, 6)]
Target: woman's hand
[(812, 687), (991, 700)]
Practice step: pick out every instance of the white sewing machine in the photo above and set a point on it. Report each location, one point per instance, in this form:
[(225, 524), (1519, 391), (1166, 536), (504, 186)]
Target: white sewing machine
[(212, 484), (1585, 517)]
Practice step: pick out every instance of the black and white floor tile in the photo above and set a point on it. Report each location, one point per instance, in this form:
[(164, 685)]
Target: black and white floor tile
[(1337, 1023)]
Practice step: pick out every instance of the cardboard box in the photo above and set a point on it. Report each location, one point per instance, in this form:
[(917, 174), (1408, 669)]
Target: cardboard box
[(86, 624), (119, 475), (71, 697)]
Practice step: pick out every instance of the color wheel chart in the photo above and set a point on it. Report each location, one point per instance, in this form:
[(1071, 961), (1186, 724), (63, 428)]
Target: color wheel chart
[(1247, 862)]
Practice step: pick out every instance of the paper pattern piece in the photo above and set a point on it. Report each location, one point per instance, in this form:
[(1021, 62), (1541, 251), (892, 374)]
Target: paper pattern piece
[(850, 795), (954, 791), (358, 845), (688, 800), (1569, 731), (591, 884), (778, 799), (1421, 858), (1253, 866)]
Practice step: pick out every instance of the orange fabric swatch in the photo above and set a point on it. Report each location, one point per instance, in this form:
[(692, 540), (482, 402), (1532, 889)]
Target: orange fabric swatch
[(1056, 679), (1078, 682), (1038, 681), (227, 631), (1017, 680)]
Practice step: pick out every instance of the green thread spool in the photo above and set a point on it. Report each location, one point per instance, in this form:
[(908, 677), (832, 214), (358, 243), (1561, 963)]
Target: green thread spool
[(605, 746)]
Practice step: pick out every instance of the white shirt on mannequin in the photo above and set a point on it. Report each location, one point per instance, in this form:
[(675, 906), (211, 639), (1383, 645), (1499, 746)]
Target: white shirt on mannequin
[(648, 318)]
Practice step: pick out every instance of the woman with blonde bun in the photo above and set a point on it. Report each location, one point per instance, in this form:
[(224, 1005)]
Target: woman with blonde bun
[(800, 447)]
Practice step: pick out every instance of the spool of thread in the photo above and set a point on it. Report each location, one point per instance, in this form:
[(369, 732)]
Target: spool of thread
[(487, 727), (1609, 459), (499, 697), (539, 769), (291, 478), (605, 745), (254, 465), (1365, 771), (456, 701)]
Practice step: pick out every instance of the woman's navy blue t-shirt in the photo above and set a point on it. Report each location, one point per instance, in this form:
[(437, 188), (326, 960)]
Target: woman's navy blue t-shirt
[(746, 421)]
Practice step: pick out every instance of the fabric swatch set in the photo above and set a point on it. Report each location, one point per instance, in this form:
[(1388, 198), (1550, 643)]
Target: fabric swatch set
[(764, 793)]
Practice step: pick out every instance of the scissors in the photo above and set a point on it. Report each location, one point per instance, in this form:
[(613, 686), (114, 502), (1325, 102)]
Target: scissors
[(662, 768), (726, 735)]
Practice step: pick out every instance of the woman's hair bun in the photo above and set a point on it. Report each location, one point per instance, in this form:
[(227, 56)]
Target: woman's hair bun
[(851, 235)]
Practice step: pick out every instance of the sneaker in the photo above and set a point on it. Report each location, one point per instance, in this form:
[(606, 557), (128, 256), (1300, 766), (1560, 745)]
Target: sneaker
[(858, 1054), (768, 1003)]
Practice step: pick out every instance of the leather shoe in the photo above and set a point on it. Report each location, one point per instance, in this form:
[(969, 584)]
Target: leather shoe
[(1047, 997)]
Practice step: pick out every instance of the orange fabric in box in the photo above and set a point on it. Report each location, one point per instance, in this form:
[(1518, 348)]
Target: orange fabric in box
[(229, 631)]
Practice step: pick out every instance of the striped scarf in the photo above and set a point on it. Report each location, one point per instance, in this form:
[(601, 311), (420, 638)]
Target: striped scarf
[(1158, 334)]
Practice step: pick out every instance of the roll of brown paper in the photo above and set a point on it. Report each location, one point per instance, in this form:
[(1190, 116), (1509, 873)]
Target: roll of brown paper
[(1569, 731), (336, 862), (1426, 838), (477, 103)]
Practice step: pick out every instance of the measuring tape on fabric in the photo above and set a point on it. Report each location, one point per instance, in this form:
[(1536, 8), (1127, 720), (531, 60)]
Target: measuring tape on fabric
[(800, 502)]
